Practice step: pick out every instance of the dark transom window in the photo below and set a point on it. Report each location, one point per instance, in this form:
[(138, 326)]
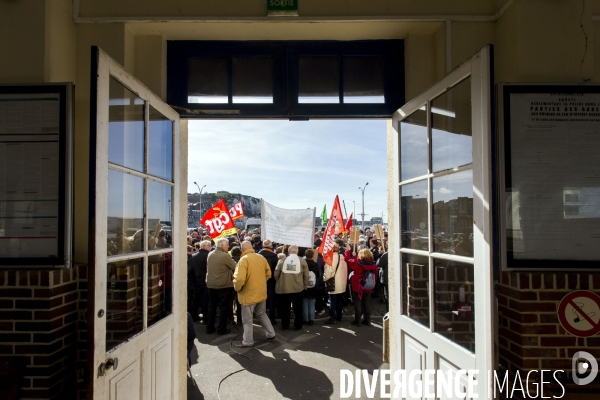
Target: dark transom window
[(291, 79)]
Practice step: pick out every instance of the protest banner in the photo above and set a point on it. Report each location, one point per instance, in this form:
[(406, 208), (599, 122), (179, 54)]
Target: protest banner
[(218, 221), (335, 226), (293, 227), (236, 211)]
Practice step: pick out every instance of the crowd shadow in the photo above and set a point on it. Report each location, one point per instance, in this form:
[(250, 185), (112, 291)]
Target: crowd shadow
[(193, 391), (354, 346)]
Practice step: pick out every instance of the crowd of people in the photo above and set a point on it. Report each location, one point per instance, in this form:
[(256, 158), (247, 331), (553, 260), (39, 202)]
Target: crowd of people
[(244, 277)]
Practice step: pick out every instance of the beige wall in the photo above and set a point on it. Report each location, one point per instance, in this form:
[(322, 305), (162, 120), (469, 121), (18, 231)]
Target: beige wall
[(111, 38), (22, 33), (60, 42), (306, 8)]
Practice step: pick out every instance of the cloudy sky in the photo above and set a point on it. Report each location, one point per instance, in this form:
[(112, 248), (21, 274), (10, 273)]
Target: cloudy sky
[(292, 164)]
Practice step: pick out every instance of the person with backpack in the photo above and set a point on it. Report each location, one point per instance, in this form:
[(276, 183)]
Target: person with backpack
[(310, 293), (362, 282), (291, 275)]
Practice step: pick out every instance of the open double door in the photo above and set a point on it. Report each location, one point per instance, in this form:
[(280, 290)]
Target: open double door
[(443, 151), (443, 258)]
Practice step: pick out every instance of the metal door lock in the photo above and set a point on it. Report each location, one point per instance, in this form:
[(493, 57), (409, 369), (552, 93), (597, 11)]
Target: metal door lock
[(108, 364)]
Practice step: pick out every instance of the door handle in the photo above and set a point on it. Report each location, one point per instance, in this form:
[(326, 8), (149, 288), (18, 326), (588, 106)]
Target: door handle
[(112, 363), (108, 364)]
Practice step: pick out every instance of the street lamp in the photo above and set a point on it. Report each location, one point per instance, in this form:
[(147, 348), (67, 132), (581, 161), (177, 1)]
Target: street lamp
[(200, 191), (362, 189)]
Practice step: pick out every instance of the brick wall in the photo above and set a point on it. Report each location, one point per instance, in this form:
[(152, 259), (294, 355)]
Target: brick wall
[(530, 336), (38, 328), (416, 293), (450, 279), (82, 368)]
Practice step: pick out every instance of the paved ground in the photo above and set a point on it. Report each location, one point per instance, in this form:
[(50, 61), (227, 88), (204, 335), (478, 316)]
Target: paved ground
[(302, 364)]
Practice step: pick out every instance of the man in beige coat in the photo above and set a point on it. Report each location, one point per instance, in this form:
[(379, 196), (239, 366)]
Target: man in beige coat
[(250, 283), (219, 281), (339, 269), (291, 282)]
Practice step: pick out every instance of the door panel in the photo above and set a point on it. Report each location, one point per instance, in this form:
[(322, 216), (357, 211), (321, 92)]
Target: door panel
[(444, 234), (135, 194), (126, 384), (161, 370), (445, 366)]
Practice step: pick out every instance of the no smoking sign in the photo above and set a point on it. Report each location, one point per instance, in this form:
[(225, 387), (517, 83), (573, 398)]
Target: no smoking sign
[(579, 313)]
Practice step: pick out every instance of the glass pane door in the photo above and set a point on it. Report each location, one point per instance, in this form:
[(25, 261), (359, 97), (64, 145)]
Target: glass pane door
[(139, 215), (436, 195)]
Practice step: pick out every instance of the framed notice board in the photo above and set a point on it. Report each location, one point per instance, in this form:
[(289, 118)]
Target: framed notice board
[(549, 176), (36, 151)]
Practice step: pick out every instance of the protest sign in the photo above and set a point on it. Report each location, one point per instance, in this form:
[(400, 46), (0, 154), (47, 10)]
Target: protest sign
[(293, 227)]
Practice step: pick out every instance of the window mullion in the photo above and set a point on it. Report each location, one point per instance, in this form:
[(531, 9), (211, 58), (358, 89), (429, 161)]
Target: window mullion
[(230, 80), (430, 281), (145, 233), (341, 79)]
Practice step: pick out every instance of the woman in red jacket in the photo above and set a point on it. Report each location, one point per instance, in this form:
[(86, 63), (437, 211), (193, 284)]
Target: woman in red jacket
[(365, 275)]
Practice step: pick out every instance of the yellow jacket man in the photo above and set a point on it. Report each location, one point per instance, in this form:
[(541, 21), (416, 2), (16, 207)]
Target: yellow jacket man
[(250, 277), (250, 282)]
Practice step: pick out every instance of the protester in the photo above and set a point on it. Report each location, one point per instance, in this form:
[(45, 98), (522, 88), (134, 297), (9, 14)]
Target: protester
[(292, 276), (250, 282), (382, 263), (310, 293), (272, 259), (317, 241), (360, 293), (198, 264), (339, 270), (236, 254), (191, 282), (322, 295), (256, 243), (219, 280), (191, 334)]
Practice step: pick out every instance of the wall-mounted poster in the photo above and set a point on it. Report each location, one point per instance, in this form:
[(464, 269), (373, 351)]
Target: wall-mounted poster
[(35, 175), (549, 169)]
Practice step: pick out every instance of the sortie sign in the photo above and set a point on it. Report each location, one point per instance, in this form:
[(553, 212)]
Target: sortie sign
[(282, 5)]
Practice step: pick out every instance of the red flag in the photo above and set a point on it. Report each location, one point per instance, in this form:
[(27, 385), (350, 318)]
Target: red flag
[(237, 211), (218, 221), (335, 226), (349, 222)]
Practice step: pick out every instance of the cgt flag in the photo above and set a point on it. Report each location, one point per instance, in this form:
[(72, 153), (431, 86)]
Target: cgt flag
[(218, 221), (349, 222), (335, 226), (236, 211)]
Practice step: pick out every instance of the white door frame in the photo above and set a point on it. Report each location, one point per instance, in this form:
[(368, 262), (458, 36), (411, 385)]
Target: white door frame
[(478, 70), (140, 348)]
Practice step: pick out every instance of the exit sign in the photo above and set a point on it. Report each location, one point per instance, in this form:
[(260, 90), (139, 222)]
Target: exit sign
[(282, 5)]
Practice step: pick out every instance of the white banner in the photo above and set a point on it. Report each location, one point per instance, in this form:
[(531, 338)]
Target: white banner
[(293, 227)]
